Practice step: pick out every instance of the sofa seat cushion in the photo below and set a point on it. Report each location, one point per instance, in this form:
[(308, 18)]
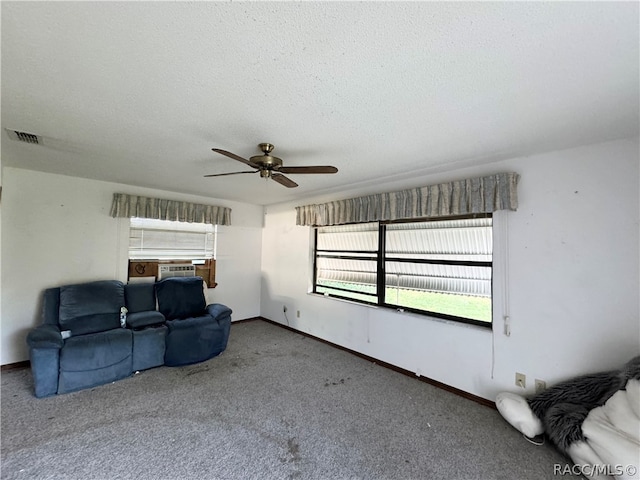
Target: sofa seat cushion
[(96, 350), (181, 297), (91, 307), (144, 319), (90, 360)]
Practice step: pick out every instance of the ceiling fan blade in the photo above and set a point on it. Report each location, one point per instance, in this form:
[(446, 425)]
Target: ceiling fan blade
[(235, 157), (314, 169), (232, 173), (282, 180)]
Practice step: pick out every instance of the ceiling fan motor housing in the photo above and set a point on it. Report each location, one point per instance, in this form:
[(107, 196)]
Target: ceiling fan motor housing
[(267, 161)]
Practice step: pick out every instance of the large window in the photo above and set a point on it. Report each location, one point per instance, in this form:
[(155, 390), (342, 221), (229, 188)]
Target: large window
[(442, 268)]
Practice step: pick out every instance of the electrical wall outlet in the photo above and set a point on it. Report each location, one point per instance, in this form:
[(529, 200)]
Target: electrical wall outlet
[(284, 308), (540, 385), (521, 380), (298, 314)]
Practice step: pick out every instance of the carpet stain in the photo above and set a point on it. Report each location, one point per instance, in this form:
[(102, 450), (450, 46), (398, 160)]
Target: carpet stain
[(296, 354), (294, 449), (243, 362), (288, 423), (293, 457), (294, 452), (328, 383), (193, 371)]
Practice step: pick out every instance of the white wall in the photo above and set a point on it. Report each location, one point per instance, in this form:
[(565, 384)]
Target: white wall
[(572, 279), (57, 230), (1, 250)]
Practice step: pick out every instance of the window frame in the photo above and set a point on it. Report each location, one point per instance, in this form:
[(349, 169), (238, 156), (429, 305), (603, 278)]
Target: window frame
[(381, 259)]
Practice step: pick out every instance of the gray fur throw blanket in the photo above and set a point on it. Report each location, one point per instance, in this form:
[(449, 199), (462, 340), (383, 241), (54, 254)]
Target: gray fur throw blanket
[(563, 407), (594, 419)]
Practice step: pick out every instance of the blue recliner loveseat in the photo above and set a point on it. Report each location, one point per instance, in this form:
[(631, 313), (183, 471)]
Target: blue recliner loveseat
[(81, 343)]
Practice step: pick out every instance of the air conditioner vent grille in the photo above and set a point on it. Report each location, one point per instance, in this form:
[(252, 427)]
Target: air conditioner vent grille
[(24, 137), (181, 270)]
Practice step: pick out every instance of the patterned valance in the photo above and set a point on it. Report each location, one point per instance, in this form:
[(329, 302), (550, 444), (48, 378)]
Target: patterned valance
[(475, 195), (124, 205)]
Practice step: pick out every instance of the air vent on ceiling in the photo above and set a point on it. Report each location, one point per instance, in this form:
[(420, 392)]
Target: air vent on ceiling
[(24, 137)]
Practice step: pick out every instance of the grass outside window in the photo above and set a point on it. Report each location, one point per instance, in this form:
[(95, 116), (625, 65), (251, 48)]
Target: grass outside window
[(467, 306)]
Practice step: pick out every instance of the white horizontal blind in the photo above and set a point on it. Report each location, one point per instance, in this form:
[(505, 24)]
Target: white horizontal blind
[(465, 240), (152, 239)]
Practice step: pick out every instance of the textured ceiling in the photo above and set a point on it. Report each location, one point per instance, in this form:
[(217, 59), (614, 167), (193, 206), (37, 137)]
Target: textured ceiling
[(139, 92)]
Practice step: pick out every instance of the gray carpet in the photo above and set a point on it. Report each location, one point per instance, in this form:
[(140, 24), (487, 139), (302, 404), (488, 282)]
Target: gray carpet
[(275, 405)]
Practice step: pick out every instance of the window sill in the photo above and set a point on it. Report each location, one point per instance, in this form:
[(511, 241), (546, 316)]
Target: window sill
[(401, 311), (344, 300)]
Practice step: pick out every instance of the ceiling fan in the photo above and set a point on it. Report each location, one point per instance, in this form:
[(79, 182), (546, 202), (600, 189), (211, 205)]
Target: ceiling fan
[(271, 167)]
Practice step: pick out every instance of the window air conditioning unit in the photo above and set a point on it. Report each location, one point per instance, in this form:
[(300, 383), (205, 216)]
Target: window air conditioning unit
[(177, 270)]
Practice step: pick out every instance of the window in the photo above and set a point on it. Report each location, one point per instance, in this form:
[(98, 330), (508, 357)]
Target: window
[(346, 261), (168, 240), (439, 267), (154, 243)]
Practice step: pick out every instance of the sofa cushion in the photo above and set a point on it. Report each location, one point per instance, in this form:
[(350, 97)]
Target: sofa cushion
[(95, 359), (180, 297), (140, 297), (96, 350), (91, 307), (51, 306), (144, 319)]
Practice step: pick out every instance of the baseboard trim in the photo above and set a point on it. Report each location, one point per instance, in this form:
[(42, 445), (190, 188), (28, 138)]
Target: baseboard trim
[(15, 366), (435, 383), (252, 319)]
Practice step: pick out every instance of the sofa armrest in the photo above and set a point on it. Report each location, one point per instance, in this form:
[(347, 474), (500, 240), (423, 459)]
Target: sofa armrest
[(218, 310), (45, 336)]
